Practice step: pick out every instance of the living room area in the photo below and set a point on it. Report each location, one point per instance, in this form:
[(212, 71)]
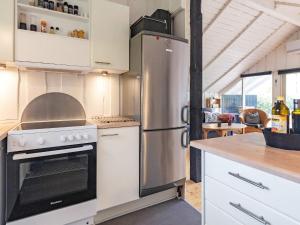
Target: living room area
[(250, 57), (254, 60)]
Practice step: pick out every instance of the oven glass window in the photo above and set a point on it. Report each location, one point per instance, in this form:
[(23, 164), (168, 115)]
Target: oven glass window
[(51, 178)]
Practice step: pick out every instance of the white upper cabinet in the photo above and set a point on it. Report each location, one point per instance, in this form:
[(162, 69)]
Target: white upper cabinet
[(53, 51), (6, 31), (110, 36)]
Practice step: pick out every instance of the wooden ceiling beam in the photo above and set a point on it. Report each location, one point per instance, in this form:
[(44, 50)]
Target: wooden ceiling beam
[(227, 46), (242, 59), (269, 7), (224, 7)]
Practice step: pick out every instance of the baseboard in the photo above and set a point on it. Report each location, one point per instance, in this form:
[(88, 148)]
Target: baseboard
[(130, 207)]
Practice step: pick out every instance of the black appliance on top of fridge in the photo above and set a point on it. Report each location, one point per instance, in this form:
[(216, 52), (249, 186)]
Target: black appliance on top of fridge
[(156, 92)]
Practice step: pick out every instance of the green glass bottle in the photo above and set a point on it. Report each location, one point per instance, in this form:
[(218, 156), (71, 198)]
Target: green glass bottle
[(296, 116), (280, 117)]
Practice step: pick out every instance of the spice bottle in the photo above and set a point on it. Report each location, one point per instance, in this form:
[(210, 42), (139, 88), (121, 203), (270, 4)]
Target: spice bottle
[(40, 3), (33, 23), (59, 7), (66, 8), (70, 9), (76, 10), (46, 4), (51, 5), (57, 30), (23, 24), (52, 31), (31, 2)]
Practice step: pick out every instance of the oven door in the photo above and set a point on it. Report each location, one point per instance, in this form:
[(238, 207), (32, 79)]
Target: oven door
[(46, 179)]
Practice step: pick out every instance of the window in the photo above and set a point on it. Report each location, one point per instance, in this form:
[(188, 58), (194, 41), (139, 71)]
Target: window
[(250, 92), (232, 100), (258, 93), (292, 89)]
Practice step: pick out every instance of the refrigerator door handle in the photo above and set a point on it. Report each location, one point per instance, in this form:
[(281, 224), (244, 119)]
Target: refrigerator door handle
[(185, 114), (185, 139)]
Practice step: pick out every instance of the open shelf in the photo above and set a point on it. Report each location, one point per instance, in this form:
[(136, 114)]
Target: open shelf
[(34, 9)]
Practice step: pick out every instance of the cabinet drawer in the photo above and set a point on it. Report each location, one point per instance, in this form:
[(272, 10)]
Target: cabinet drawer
[(241, 207), (275, 192), (214, 216)]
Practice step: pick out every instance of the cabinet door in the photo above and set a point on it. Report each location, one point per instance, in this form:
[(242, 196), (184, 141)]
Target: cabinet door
[(6, 31), (51, 51), (110, 36), (117, 166)]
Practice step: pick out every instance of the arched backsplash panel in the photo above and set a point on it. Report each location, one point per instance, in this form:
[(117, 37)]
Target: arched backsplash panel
[(52, 107)]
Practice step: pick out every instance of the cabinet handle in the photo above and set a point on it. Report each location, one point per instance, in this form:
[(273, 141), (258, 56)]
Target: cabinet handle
[(256, 184), (104, 63), (109, 135), (260, 219)]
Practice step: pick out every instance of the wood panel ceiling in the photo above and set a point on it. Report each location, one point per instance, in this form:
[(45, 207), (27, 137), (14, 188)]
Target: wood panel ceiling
[(237, 34)]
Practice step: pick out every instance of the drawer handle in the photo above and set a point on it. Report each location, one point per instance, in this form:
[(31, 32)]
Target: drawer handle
[(256, 184), (260, 219), (109, 135), (105, 63)]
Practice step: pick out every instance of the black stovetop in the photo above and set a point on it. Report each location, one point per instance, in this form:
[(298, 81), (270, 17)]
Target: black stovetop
[(51, 124)]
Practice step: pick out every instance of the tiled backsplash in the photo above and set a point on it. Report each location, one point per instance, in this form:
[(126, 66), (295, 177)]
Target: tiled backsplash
[(98, 94)]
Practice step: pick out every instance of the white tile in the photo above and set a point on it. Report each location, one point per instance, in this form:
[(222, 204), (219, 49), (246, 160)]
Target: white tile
[(54, 82), (32, 85), (8, 94), (73, 85)]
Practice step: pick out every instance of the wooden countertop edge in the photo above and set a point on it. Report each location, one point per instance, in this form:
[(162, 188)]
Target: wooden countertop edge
[(277, 171), (5, 128)]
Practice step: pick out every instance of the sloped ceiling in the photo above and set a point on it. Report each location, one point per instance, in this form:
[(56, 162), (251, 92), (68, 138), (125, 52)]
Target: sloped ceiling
[(236, 35)]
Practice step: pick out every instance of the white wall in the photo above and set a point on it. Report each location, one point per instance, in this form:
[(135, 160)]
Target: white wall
[(276, 60), (98, 94)]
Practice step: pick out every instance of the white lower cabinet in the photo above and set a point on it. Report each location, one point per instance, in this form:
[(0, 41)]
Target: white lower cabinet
[(241, 207), (235, 192), (117, 166), (215, 216)]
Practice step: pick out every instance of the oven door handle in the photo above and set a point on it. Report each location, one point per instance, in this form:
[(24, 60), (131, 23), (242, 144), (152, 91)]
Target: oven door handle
[(52, 153)]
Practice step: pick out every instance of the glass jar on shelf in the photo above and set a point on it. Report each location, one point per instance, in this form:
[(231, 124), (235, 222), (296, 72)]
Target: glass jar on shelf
[(31, 2), (23, 21), (33, 23)]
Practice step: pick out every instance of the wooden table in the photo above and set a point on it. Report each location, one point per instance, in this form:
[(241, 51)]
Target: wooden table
[(223, 130)]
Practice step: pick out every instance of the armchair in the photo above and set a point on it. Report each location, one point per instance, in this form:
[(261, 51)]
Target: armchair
[(264, 120)]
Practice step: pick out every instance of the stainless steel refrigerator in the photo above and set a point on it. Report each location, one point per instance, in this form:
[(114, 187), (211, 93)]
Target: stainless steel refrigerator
[(156, 92)]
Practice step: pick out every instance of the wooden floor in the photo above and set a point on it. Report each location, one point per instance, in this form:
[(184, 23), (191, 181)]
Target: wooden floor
[(192, 189)]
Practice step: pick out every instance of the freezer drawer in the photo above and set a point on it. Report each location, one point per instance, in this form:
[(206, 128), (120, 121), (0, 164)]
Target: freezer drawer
[(165, 83), (162, 160)]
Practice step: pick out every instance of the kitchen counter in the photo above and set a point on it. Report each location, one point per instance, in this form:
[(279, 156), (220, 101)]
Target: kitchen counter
[(251, 150), (114, 122), (5, 127)]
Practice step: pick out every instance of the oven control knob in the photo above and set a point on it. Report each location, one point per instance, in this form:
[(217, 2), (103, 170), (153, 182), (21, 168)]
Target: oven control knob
[(63, 138), (22, 142), (86, 136), (70, 137), (41, 141), (78, 137)]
